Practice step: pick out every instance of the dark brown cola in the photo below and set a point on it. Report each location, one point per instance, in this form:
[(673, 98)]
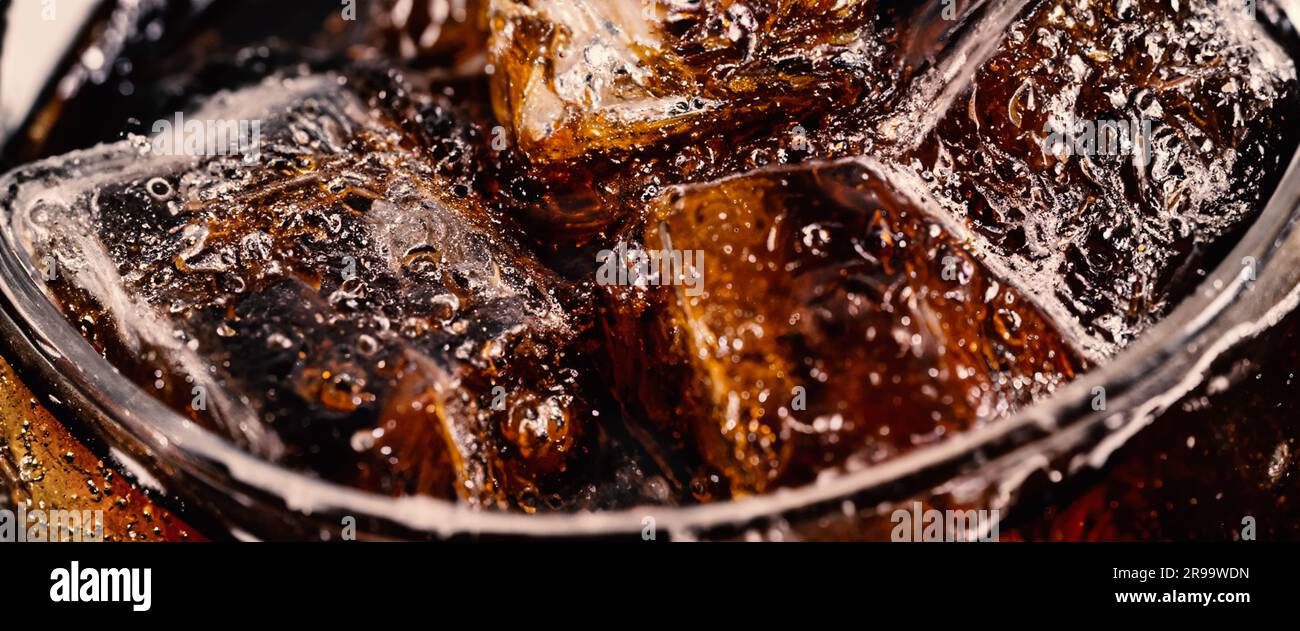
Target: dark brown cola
[(1093, 245), (334, 296), (1102, 153), (830, 320), (606, 104), (558, 255)]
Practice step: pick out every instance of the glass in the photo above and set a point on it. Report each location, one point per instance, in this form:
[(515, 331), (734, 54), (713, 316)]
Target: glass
[(983, 468)]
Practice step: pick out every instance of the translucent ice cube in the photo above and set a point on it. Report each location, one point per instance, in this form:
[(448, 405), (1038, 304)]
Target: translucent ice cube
[(333, 295), (833, 318)]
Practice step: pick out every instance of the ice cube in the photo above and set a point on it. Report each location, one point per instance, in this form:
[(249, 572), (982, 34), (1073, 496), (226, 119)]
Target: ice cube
[(1105, 153), (831, 317), (572, 77), (334, 295)]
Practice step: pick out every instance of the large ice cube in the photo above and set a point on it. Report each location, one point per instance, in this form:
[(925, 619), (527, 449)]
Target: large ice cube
[(1106, 152), (334, 295), (572, 77), (833, 318)]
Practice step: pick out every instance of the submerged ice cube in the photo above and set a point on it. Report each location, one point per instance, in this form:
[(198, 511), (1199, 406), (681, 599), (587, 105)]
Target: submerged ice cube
[(831, 317), (334, 295), (1106, 152), (573, 77)]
